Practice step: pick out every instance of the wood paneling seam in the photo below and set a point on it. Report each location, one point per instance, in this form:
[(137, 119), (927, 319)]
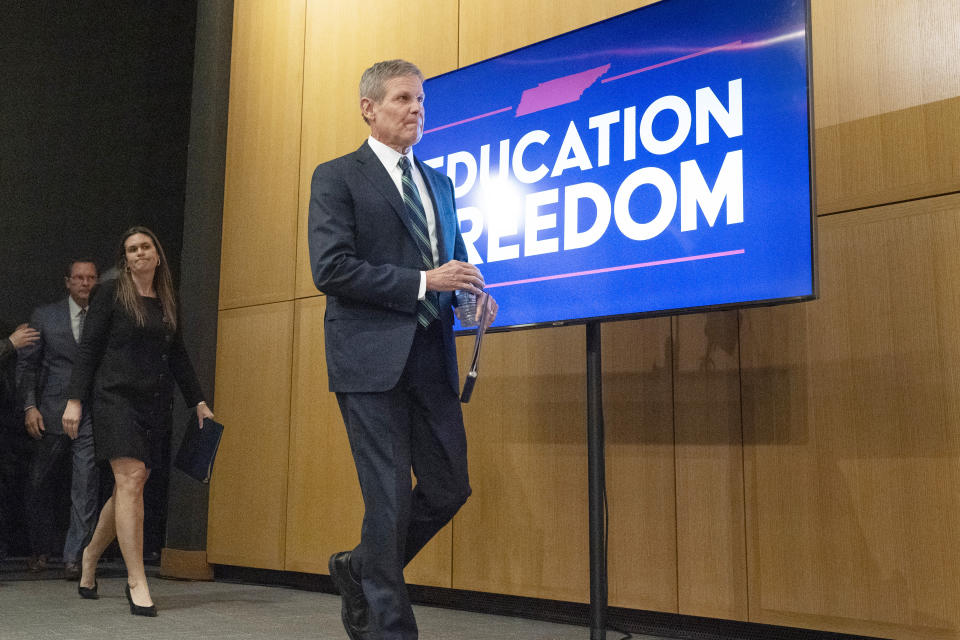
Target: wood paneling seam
[(743, 466), (261, 304), (888, 204), (293, 333), (674, 346)]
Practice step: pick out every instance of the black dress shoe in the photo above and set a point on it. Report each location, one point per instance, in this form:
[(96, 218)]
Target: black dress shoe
[(71, 571), (88, 593), (354, 610), (137, 610), (36, 564)]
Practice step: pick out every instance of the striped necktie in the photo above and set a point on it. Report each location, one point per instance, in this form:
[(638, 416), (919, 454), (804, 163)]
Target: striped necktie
[(83, 316), (428, 308)]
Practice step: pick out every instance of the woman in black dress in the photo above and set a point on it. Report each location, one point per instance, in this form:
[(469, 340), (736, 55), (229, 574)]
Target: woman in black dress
[(130, 354)]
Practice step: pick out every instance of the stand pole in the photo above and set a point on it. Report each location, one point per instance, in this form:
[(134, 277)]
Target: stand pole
[(596, 473)]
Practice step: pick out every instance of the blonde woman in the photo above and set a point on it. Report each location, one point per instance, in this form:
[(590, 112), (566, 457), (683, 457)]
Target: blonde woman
[(130, 355)]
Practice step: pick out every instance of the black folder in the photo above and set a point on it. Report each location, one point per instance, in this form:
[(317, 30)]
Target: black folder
[(199, 448)]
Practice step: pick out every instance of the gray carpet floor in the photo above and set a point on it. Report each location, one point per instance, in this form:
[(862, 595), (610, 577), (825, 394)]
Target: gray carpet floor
[(44, 606)]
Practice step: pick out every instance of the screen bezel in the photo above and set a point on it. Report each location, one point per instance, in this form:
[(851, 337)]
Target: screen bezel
[(814, 271)]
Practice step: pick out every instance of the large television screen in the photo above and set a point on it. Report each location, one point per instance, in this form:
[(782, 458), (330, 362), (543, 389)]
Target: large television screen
[(656, 162)]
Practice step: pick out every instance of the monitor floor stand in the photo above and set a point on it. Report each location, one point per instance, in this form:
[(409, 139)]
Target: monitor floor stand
[(596, 473)]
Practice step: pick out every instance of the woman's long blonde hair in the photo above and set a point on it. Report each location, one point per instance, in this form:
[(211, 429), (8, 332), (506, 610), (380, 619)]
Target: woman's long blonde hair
[(127, 294)]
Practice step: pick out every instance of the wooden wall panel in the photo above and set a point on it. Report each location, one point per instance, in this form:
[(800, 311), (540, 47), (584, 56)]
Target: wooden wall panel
[(886, 101), (325, 508), (263, 152), (892, 157), (524, 529), (851, 407), (879, 56), (641, 473), (711, 549), (343, 39), (249, 489), (527, 440)]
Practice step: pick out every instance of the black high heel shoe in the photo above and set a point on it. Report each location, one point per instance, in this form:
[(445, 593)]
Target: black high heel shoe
[(88, 593), (137, 610)]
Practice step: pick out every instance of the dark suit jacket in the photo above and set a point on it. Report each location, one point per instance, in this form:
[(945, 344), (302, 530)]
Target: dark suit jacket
[(10, 410), (6, 347), (364, 258), (127, 366), (43, 369)]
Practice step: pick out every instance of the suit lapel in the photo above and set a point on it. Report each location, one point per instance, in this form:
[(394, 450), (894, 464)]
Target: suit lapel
[(374, 171)]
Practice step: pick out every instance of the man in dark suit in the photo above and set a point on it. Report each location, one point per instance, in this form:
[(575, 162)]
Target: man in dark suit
[(385, 247), (43, 372), (11, 429)]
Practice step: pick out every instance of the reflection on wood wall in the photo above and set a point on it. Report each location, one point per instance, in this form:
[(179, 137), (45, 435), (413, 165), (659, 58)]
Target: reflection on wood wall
[(792, 465), (248, 498), (851, 422)]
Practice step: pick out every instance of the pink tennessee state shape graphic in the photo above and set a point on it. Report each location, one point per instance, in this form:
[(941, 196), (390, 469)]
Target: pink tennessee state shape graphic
[(553, 93)]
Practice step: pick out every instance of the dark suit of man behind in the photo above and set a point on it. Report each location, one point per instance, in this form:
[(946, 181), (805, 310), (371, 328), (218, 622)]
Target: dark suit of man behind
[(43, 371), (12, 437), (396, 380)]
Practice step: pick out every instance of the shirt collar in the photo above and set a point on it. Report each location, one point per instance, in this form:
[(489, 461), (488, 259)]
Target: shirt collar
[(388, 155), (74, 307)]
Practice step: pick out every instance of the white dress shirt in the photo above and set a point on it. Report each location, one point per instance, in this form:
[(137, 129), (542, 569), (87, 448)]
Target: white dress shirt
[(75, 310), (389, 157)]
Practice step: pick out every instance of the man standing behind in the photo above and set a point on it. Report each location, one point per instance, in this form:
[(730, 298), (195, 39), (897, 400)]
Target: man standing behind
[(43, 372), (385, 247), (11, 427)]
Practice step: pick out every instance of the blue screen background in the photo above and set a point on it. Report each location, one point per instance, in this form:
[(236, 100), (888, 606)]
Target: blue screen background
[(775, 259)]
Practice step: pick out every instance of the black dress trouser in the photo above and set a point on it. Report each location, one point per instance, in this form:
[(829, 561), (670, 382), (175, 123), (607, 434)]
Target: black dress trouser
[(418, 424), (14, 453), (46, 491)]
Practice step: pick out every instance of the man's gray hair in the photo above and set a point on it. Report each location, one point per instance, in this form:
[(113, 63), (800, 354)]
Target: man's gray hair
[(373, 82)]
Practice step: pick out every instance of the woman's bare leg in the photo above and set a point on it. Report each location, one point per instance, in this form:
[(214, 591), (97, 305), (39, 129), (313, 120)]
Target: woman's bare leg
[(103, 535), (131, 476)]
